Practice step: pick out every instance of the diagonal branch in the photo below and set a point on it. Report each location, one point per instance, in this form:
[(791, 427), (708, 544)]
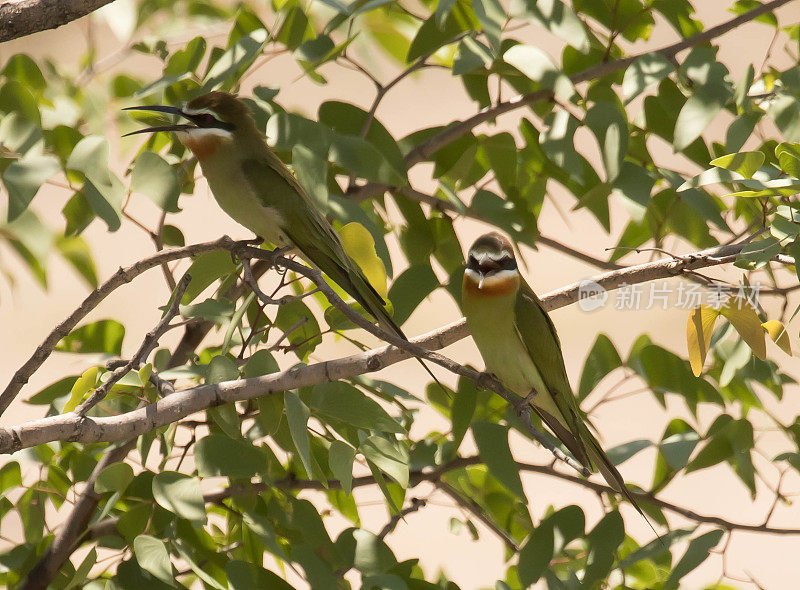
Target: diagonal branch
[(25, 17), (108, 526), (71, 531), (184, 403), (148, 344), (457, 129), (119, 278)]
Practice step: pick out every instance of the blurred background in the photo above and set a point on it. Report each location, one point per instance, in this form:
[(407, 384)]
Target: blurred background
[(28, 312)]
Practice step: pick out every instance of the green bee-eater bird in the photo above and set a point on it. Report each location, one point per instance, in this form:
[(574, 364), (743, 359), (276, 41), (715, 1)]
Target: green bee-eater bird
[(256, 189), (519, 344)]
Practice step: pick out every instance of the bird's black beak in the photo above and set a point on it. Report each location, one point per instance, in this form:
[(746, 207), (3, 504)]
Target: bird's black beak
[(160, 109)]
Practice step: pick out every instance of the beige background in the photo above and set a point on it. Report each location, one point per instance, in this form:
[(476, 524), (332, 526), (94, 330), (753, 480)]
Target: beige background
[(27, 312)]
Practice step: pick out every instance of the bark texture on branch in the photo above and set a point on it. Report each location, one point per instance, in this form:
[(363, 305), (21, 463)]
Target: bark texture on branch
[(181, 404), (25, 17)]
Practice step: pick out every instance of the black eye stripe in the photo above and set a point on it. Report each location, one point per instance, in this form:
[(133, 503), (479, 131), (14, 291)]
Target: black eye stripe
[(491, 265), (209, 121)]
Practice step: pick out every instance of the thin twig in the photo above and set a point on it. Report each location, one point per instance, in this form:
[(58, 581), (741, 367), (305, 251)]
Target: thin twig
[(119, 278), (148, 344), (416, 504), (181, 404)]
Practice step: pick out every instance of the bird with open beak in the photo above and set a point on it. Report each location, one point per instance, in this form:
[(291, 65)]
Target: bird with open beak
[(520, 346), (256, 189)]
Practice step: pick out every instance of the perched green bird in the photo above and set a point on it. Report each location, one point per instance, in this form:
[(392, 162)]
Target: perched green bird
[(519, 344), (256, 189)]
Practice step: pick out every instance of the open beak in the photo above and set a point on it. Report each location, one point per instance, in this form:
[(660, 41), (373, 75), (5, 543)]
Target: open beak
[(160, 109)]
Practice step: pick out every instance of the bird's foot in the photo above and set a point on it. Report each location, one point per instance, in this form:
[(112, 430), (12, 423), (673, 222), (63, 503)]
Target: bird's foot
[(523, 406), (486, 380)]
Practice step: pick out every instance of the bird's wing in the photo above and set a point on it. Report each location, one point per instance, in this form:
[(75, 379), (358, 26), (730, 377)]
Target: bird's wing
[(539, 336), (305, 226), (277, 188)]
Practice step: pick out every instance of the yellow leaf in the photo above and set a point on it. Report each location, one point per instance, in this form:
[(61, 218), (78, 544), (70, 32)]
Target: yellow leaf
[(744, 318), (144, 373), (777, 331), (80, 388), (360, 246), (699, 328)]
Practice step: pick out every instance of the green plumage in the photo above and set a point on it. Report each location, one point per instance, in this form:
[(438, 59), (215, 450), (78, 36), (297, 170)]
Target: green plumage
[(520, 346)]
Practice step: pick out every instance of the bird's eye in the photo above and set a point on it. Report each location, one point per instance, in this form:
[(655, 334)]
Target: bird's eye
[(472, 262), (205, 120), (508, 263)]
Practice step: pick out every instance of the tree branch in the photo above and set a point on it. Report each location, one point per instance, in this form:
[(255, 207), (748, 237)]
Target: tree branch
[(148, 344), (75, 526), (108, 526), (19, 18), (119, 278), (456, 129), (186, 402)]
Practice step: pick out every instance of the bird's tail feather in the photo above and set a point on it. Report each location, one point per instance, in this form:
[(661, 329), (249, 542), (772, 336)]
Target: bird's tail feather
[(612, 475), (587, 450)]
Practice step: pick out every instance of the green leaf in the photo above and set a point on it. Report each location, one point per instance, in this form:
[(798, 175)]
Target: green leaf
[(492, 441), (710, 176), (246, 576), (363, 160), (646, 70), (23, 69), (217, 454), (340, 459), (10, 477), (226, 70), (215, 310), (634, 184), (222, 368), (103, 336), (464, 405), (52, 392), (114, 478), (102, 189), (471, 55), (153, 557), (297, 414), (535, 555), (391, 457), (204, 270), (76, 251), (555, 16), (604, 539), (602, 359), (695, 116), (745, 163), (297, 319), (785, 111), (180, 494), (621, 453), (493, 18), (695, 554), (344, 402), (155, 178), (23, 178), (409, 290), (80, 388), (537, 65), (431, 36), (610, 126), (699, 328)]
